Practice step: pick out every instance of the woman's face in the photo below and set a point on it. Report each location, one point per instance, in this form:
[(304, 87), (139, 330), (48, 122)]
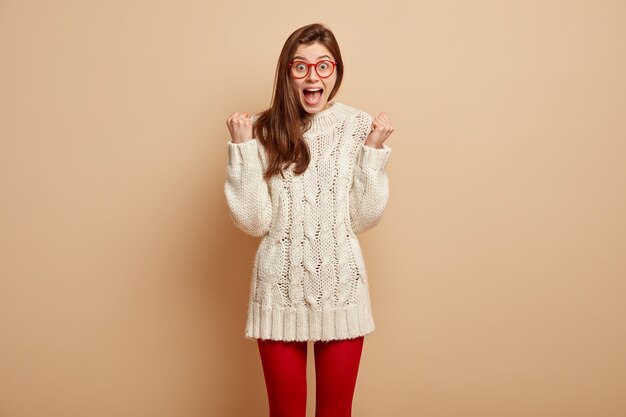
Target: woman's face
[(313, 90)]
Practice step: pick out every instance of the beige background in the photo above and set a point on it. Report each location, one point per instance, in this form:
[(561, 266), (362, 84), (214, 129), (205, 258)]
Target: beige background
[(497, 274)]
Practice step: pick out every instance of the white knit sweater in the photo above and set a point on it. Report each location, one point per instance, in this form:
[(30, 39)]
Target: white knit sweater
[(309, 280)]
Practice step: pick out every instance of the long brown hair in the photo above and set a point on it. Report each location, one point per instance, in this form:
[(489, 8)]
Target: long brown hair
[(280, 128)]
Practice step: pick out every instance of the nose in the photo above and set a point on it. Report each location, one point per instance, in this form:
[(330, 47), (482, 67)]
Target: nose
[(312, 75)]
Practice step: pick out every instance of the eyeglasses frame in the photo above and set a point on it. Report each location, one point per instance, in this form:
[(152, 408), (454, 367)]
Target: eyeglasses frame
[(334, 64)]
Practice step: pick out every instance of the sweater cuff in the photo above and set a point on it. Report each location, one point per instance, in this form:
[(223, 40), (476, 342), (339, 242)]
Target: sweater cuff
[(243, 153), (373, 158)]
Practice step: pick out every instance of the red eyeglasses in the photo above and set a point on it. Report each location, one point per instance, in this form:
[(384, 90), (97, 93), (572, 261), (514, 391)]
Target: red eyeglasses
[(300, 69)]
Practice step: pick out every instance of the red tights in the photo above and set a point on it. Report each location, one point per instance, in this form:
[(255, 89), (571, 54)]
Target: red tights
[(336, 368)]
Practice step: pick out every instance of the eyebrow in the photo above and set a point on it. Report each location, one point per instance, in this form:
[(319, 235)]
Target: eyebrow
[(304, 59)]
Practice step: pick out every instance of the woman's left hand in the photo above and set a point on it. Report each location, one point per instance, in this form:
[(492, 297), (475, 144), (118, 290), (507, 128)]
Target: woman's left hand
[(381, 129)]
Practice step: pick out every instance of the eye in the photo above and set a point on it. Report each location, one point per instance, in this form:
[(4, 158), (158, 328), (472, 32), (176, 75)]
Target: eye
[(300, 66), (323, 65)]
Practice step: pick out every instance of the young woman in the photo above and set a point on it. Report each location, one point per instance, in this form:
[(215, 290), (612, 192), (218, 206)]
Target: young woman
[(307, 175)]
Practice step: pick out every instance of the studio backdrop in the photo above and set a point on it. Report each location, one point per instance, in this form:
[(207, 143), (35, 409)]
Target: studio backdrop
[(497, 271)]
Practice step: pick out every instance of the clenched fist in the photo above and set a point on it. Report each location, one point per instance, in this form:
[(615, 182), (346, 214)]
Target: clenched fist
[(240, 127), (381, 129)]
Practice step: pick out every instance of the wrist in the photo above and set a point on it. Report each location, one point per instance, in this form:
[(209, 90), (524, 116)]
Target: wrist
[(238, 141), (373, 145)]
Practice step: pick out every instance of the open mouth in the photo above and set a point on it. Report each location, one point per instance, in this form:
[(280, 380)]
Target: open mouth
[(313, 96)]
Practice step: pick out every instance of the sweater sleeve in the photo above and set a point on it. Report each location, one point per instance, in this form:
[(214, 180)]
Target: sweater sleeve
[(370, 187), (247, 192)]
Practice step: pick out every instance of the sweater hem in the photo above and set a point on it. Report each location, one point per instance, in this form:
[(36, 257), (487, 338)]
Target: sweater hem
[(307, 324)]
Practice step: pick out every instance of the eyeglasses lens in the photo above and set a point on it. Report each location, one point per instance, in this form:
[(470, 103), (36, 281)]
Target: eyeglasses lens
[(324, 68)]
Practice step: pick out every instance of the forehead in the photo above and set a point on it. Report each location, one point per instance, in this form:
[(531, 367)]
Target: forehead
[(311, 52)]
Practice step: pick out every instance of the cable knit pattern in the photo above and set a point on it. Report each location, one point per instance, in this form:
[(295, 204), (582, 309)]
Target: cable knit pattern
[(309, 280)]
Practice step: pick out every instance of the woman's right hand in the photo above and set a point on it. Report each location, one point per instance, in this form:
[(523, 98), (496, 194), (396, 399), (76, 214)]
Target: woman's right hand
[(240, 127)]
